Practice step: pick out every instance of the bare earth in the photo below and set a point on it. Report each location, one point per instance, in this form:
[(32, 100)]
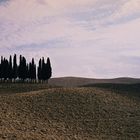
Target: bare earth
[(35, 112)]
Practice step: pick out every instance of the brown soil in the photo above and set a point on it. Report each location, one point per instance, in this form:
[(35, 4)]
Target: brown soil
[(69, 114)]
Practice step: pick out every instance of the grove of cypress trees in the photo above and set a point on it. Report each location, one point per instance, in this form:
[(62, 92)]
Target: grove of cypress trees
[(9, 70)]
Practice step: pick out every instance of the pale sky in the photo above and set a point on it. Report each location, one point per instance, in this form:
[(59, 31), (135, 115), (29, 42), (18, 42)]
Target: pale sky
[(86, 38)]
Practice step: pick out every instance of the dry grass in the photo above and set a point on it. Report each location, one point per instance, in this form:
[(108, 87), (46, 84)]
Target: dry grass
[(69, 114), (10, 88)]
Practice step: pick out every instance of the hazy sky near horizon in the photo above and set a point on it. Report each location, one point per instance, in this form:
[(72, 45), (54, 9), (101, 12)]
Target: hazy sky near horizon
[(88, 38)]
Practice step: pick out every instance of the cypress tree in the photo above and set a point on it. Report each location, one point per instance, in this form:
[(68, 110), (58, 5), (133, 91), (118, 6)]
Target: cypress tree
[(24, 69), (2, 70), (33, 69), (48, 68), (5, 69), (45, 72), (15, 67), (39, 70), (43, 69), (27, 69), (30, 71), (20, 67), (10, 68)]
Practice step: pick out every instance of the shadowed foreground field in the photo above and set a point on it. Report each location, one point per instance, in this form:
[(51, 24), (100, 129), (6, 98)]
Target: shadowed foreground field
[(90, 113)]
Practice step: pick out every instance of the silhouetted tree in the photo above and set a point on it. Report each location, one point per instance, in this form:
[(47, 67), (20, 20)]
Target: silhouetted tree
[(28, 74), (1, 70), (48, 68), (33, 70), (39, 70), (5, 69), (44, 70), (10, 72), (22, 69), (2, 66), (15, 67), (0, 73)]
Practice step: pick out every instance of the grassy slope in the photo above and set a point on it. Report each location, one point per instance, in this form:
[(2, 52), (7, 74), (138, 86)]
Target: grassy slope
[(68, 113), (8, 88)]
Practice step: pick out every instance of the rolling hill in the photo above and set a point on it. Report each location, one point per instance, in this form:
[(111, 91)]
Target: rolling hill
[(41, 112), (78, 81)]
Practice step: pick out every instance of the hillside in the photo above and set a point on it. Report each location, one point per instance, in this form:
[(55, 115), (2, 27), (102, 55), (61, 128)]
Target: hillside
[(68, 113), (78, 81)]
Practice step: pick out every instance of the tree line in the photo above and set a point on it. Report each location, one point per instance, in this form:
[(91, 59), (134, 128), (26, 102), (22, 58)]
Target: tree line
[(24, 72)]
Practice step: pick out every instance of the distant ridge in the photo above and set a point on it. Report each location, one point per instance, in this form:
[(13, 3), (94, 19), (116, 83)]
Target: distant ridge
[(79, 81)]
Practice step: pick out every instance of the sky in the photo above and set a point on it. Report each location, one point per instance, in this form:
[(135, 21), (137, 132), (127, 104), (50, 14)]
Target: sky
[(83, 38)]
